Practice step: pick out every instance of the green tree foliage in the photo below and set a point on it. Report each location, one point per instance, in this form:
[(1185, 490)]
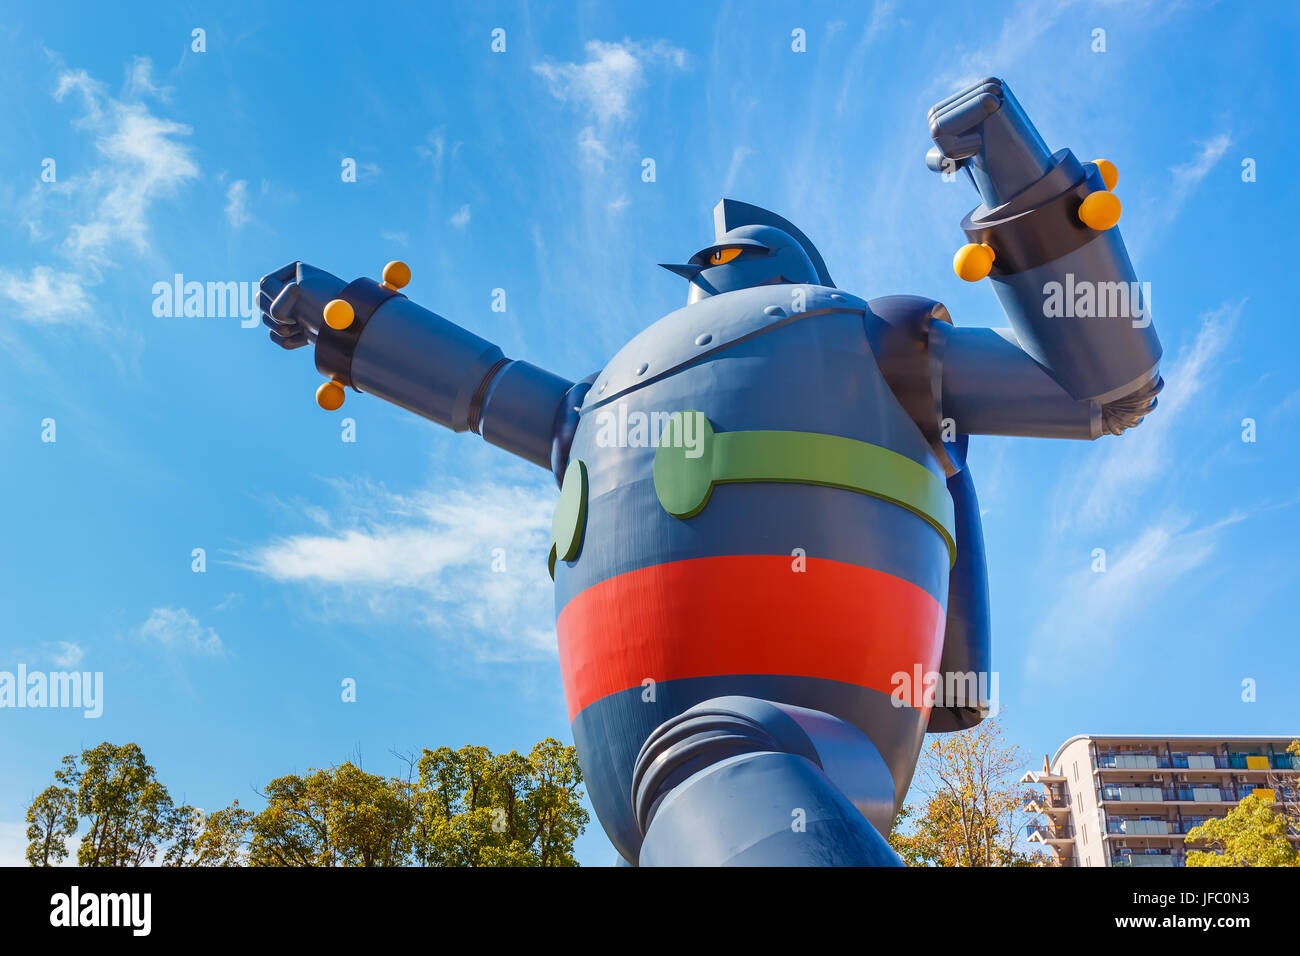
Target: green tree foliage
[(127, 813), (477, 809), (1250, 835), (186, 825), (338, 817), (466, 807), (221, 842), (971, 815), (51, 819)]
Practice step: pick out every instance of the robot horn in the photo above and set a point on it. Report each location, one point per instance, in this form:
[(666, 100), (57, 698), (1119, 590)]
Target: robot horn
[(685, 271)]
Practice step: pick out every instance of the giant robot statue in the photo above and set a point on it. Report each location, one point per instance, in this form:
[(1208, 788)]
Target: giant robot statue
[(740, 598)]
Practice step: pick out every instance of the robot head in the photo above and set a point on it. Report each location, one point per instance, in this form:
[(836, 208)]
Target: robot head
[(745, 257)]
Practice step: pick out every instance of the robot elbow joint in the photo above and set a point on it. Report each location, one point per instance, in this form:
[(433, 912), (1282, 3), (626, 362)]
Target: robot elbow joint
[(1128, 412)]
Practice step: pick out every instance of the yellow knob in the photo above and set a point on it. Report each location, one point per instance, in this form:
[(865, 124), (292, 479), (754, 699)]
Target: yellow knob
[(1100, 210), (396, 274), (330, 396), (973, 261), (1109, 174), (338, 314)]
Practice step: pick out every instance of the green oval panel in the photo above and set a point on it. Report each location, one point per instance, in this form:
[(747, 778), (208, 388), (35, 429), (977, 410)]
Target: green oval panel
[(571, 512)]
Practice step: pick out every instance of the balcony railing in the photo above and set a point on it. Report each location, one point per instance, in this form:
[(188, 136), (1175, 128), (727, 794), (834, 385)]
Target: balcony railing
[(1132, 794), (1199, 762), (1158, 761), (1155, 794), (1046, 800), (1127, 761), (1044, 832), (1140, 827), (1201, 794), (1145, 859)]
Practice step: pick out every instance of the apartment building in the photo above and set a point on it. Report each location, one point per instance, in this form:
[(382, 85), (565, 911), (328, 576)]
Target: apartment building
[(1129, 800)]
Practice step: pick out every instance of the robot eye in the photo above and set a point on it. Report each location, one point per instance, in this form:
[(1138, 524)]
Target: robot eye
[(724, 255)]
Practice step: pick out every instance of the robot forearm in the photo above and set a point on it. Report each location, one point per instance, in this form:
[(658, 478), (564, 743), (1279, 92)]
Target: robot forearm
[(1045, 235), (379, 341), (1063, 276)]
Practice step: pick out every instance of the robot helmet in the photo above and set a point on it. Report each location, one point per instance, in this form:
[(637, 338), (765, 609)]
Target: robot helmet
[(745, 257)]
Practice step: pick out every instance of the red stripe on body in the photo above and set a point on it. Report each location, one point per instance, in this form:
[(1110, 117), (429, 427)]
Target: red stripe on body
[(746, 614)]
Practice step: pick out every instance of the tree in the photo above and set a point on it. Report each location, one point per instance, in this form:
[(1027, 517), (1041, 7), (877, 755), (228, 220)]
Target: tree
[(1250, 835), (972, 814), (466, 807), (129, 813), (1287, 789), (222, 841), (902, 838), (186, 824), (338, 817), (51, 819), (477, 809)]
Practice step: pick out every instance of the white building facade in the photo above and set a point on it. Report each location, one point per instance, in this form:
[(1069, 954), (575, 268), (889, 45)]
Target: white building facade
[(1109, 800)]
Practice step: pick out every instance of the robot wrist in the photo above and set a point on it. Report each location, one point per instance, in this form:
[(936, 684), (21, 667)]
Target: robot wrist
[(1040, 224), (334, 346)]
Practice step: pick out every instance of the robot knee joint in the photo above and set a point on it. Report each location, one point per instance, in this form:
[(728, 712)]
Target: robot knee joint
[(715, 730)]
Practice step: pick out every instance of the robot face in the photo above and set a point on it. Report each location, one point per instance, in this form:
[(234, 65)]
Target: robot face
[(743, 258)]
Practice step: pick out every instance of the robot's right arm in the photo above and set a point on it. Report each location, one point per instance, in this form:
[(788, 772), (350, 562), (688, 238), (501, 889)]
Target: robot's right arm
[(369, 336), (1081, 358)]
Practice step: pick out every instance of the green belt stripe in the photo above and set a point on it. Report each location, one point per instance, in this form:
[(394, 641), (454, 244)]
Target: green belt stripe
[(692, 458)]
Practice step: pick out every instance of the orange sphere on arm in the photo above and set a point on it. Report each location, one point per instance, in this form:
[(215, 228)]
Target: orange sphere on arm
[(397, 274)]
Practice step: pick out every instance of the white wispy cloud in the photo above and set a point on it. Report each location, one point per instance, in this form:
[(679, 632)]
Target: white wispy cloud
[(436, 148), (460, 218), (603, 86), (1164, 200), (237, 204), (1021, 33), (177, 629), (1186, 177), (141, 160), (591, 148), (1093, 608), (69, 654), (471, 564), (46, 295), (738, 157), (1135, 460), (882, 13), (233, 599), (139, 80)]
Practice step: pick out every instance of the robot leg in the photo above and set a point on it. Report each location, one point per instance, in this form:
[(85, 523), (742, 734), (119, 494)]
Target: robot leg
[(738, 781)]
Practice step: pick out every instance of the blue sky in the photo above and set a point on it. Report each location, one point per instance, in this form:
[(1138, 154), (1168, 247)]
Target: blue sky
[(522, 171)]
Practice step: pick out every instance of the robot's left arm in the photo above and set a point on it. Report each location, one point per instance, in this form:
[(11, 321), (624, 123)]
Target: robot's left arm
[(371, 337), (1081, 358)]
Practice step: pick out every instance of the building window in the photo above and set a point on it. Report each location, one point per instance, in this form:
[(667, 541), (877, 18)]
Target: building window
[(1076, 771)]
